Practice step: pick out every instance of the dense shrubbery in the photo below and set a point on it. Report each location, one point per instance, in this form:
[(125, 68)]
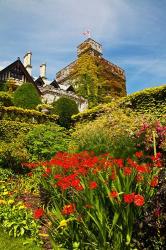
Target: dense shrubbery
[(27, 142), (26, 96), (5, 99), (9, 130), (118, 133), (13, 153), (44, 141), (65, 108)]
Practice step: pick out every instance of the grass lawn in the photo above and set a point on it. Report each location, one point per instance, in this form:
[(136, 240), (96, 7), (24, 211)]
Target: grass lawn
[(10, 243)]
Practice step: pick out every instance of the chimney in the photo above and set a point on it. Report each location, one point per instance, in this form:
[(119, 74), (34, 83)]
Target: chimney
[(43, 70), (27, 62)]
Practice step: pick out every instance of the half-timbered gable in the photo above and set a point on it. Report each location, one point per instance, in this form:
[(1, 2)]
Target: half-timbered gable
[(17, 71)]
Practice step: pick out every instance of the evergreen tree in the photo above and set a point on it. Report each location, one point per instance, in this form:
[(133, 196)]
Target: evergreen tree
[(65, 108), (26, 96)]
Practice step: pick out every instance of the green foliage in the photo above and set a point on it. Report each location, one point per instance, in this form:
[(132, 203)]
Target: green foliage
[(152, 101), (87, 77), (11, 129), (88, 207), (114, 133), (43, 141), (5, 99), (26, 96), (65, 108), (10, 243), (25, 115), (5, 173), (21, 142), (18, 221), (3, 86), (14, 153)]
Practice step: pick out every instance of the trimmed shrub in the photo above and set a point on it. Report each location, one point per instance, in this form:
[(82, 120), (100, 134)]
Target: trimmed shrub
[(65, 108), (5, 99), (26, 96), (25, 115), (152, 101)]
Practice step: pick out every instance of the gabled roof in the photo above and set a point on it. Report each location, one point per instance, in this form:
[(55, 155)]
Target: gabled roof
[(55, 84), (39, 81), (66, 87), (16, 63), (23, 69)]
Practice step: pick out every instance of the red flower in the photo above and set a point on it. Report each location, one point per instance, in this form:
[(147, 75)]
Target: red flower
[(127, 171), (57, 176), (139, 154), (154, 181), (38, 213), (119, 162), (139, 200), (69, 209), (48, 170), (139, 178), (113, 175), (128, 198), (113, 194), (92, 185), (142, 169), (157, 157)]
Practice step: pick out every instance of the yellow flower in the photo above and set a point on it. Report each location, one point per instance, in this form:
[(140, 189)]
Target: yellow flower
[(44, 235), (63, 223)]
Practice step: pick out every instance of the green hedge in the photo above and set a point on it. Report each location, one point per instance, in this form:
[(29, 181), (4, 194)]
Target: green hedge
[(11, 129), (5, 99), (152, 101), (25, 115)]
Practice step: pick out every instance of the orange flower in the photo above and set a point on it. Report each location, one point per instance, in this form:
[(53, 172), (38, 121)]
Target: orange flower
[(113, 194), (139, 200), (154, 181), (69, 209)]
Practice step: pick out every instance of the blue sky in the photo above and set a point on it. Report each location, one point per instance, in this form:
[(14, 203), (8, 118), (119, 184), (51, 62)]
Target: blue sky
[(132, 33)]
